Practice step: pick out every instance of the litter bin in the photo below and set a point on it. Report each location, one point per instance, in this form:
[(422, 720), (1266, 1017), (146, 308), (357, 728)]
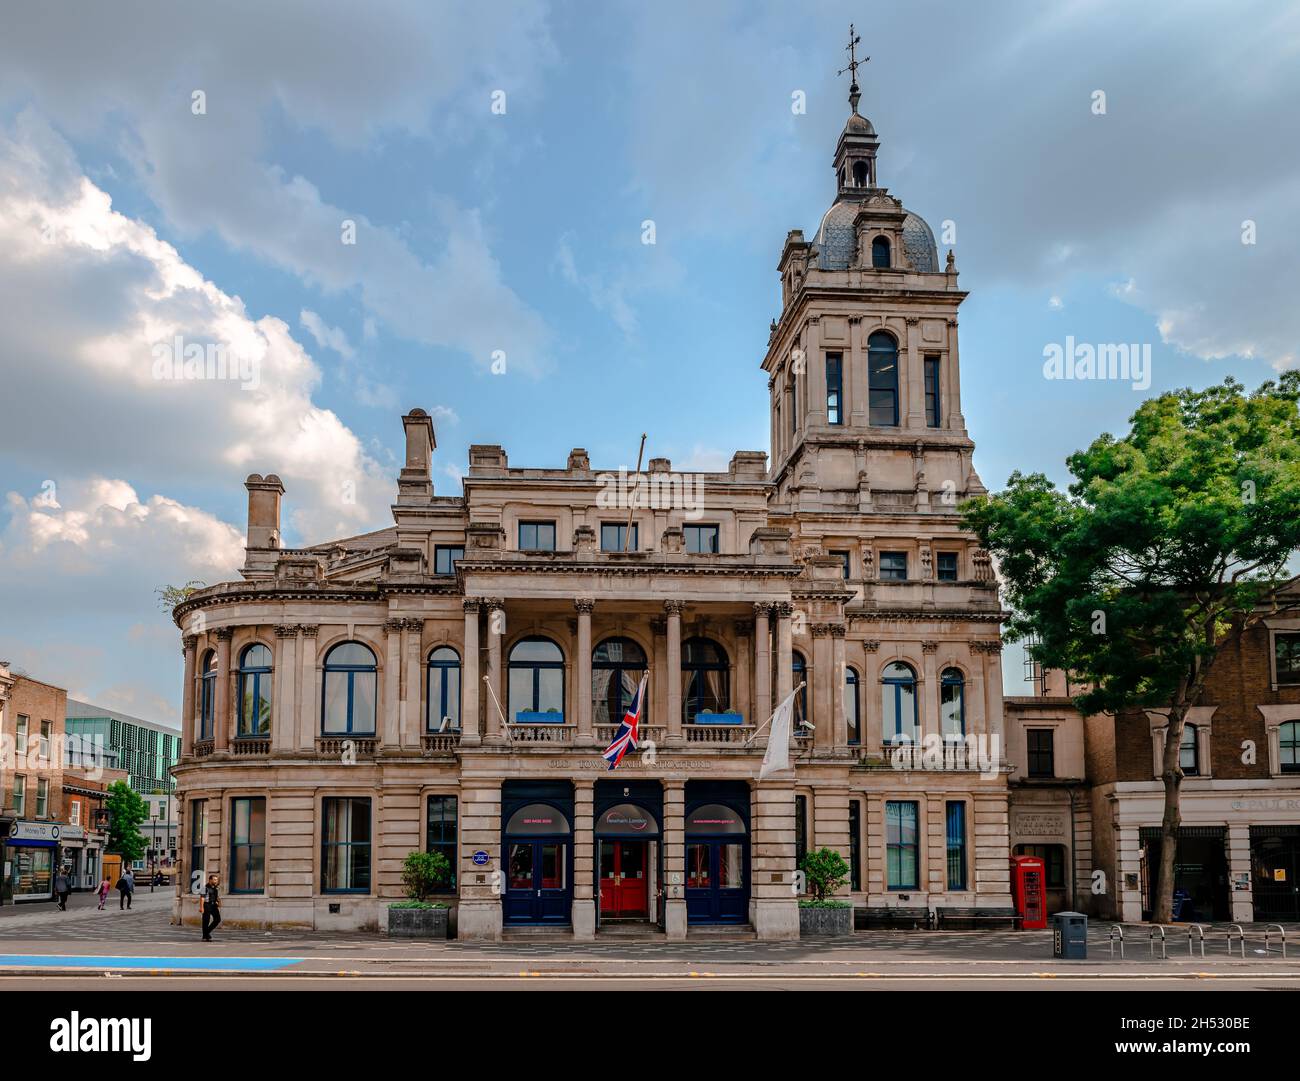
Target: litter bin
[(1070, 936)]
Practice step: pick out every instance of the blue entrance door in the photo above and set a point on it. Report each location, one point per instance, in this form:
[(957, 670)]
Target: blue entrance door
[(537, 885), (717, 886)]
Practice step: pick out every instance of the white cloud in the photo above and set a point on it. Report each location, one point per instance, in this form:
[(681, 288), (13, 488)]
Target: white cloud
[(326, 336)]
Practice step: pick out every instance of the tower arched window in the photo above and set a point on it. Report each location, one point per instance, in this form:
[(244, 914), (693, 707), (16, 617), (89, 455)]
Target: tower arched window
[(536, 678), (705, 679), (1189, 752), (952, 704), (898, 703), (617, 665), (207, 694), (255, 666), (860, 174), (442, 707), (882, 379), (880, 253), (348, 695)]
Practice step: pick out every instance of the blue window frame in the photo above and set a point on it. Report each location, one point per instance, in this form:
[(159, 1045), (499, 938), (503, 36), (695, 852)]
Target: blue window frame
[(932, 403), (855, 845), (537, 536), (880, 253), (445, 556), (947, 566), (952, 703), (852, 707), (536, 677), (834, 388), (701, 539), (348, 695), (705, 679), (882, 380), (248, 844), (443, 700), (617, 665), (440, 833), (902, 844), (345, 845), (893, 566), (799, 674), (207, 694), (613, 534), (898, 703), (1288, 736), (955, 814), (254, 692)]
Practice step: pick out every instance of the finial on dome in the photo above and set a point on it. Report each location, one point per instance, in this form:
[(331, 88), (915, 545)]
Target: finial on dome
[(855, 95)]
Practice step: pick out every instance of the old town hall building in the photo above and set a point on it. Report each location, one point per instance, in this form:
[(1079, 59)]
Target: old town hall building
[(449, 683)]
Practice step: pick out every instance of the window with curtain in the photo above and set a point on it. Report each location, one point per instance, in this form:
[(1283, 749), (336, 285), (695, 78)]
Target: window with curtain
[(952, 703), (254, 691), (882, 380), (705, 679), (898, 703), (902, 844), (536, 677), (442, 707), (617, 665), (345, 845), (348, 697)]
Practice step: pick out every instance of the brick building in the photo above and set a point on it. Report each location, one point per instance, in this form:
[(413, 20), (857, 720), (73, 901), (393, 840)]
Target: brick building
[(31, 784)]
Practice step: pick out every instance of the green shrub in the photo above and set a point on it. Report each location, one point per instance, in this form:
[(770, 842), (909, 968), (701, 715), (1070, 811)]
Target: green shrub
[(424, 872), (825, 872), (809, 903)]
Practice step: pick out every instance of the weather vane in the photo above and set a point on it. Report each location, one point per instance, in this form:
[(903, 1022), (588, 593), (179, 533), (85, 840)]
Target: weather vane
[(854, 63)]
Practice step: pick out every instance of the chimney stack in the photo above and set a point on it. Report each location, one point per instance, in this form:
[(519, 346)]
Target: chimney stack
[(415, 483), (264, 510)]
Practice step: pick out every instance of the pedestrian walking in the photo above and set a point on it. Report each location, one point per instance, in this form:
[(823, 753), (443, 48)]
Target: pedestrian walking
[(210, 906), (125, 888), (104, 886), (62, 888)]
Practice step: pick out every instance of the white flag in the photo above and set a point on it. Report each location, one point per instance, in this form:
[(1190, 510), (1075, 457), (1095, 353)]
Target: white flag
[(777, 756)]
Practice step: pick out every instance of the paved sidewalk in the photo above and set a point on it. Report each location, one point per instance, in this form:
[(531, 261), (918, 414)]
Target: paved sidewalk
[(83, 913)]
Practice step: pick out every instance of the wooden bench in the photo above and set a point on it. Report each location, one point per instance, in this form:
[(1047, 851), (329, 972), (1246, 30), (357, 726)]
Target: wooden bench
[(976, 919), (893, 917)]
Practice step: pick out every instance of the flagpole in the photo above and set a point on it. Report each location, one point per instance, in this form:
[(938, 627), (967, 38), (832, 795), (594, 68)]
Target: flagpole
[(754, 734), (505, 725), (631, 502)]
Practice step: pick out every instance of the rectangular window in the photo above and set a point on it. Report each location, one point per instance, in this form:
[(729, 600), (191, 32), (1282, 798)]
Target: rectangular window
[(932, 392), (844, 559), (956, 819), (537, 536), (1053, 857), (20, 796), (42, 797), (613, 534), (198, 838), (834, 388), (345, 845), (701, 539), (794, 406), (248, 845), (902, 844), (800, 829), (445, 556), (947, 566), (893, 566), (855, 845), (20, 734), (47, 727), (440, 833), (1042, 757), (1286, 649), (74, 813), (882, 387)]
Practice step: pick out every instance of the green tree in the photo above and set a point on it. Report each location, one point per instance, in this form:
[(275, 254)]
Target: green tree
[(1170, 543), (127, 809), (825, 870), (424, 872), (170, 596)]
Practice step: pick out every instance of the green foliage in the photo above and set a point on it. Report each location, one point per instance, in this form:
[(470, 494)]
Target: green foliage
[(170, 596), (809, 903), (826, 871), (126, 809), (424, 872), (417, 904)]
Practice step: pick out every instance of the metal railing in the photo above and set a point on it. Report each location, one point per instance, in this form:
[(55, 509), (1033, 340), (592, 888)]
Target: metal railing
[(1192, 930), (1117, 930), (1151, 938), (1281, 931), (1239, 932)]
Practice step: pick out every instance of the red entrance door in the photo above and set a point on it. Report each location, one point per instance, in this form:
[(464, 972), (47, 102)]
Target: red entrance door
[(624, 883)]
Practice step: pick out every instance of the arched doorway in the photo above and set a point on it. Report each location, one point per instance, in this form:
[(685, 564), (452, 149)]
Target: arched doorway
[(717, 859), (538, 845)]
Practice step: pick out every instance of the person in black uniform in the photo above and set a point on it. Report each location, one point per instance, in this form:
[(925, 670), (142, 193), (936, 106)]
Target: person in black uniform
[(211, 906)]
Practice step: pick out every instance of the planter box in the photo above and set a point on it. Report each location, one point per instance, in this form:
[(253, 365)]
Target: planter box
[(418, 922), (525, 716), (719, 718), (825, 922)]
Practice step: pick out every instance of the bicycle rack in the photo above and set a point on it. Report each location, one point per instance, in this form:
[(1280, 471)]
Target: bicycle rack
[(1236, 931), (1190, 943), (1281, 931), (1164, 955), (1117, 929)]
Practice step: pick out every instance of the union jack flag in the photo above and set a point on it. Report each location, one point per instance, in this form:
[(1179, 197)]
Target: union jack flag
[(625, 738)]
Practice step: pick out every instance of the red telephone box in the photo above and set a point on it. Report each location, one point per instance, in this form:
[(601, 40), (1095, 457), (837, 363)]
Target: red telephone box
[(1028, 876)]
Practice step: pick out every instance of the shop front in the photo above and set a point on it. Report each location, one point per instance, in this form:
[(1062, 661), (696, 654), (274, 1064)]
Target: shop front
[(629, 852), (717, 853), (538, 843), (30, 851), (1201, 891), (1275, 866)]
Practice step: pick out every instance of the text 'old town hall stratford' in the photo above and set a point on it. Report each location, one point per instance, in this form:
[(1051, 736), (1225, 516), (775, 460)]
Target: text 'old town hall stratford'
[(449, 683)]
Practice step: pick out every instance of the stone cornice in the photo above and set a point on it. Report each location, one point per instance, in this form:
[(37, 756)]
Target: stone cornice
[(929, 615)]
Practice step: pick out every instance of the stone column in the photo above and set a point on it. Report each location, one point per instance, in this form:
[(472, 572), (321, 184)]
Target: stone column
[(993, 695), (471, 731), (675, 860), (309, 708), (955, 418), (496, 619), (912, 377), (830, 814), (821, 703), (872, 734), (411, 718), (1243, 902), (188, 644), (929, 691), (673, 609), (479, 914), (582, 692), (762, 664), (773, 904), (839, 666), (744, 700), (221, 712), (784, 648), (388, 730), (285, 687), (584, 858)]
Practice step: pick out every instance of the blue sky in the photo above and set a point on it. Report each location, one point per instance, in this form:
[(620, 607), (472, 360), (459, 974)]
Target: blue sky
[(126, 218)]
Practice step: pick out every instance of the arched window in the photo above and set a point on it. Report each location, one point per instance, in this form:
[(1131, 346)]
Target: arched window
[(952, 704), (207, 694), (254, 692), (852, 707), (1189, 752), (617, 665), (898, 702), (799, 674), (882, 379), (860, 174), (536, 678), (348, 696), (705, 679), (442, 709), (880, 252), (1288, 736)]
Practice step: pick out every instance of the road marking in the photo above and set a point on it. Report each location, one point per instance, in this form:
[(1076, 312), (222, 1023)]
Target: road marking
[(154, 964)]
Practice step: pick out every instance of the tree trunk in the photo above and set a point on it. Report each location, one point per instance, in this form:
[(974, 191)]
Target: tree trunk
[(1162, 905)]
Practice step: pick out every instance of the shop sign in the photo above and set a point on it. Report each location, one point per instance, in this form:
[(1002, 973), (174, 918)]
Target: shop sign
[(47, 832)]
